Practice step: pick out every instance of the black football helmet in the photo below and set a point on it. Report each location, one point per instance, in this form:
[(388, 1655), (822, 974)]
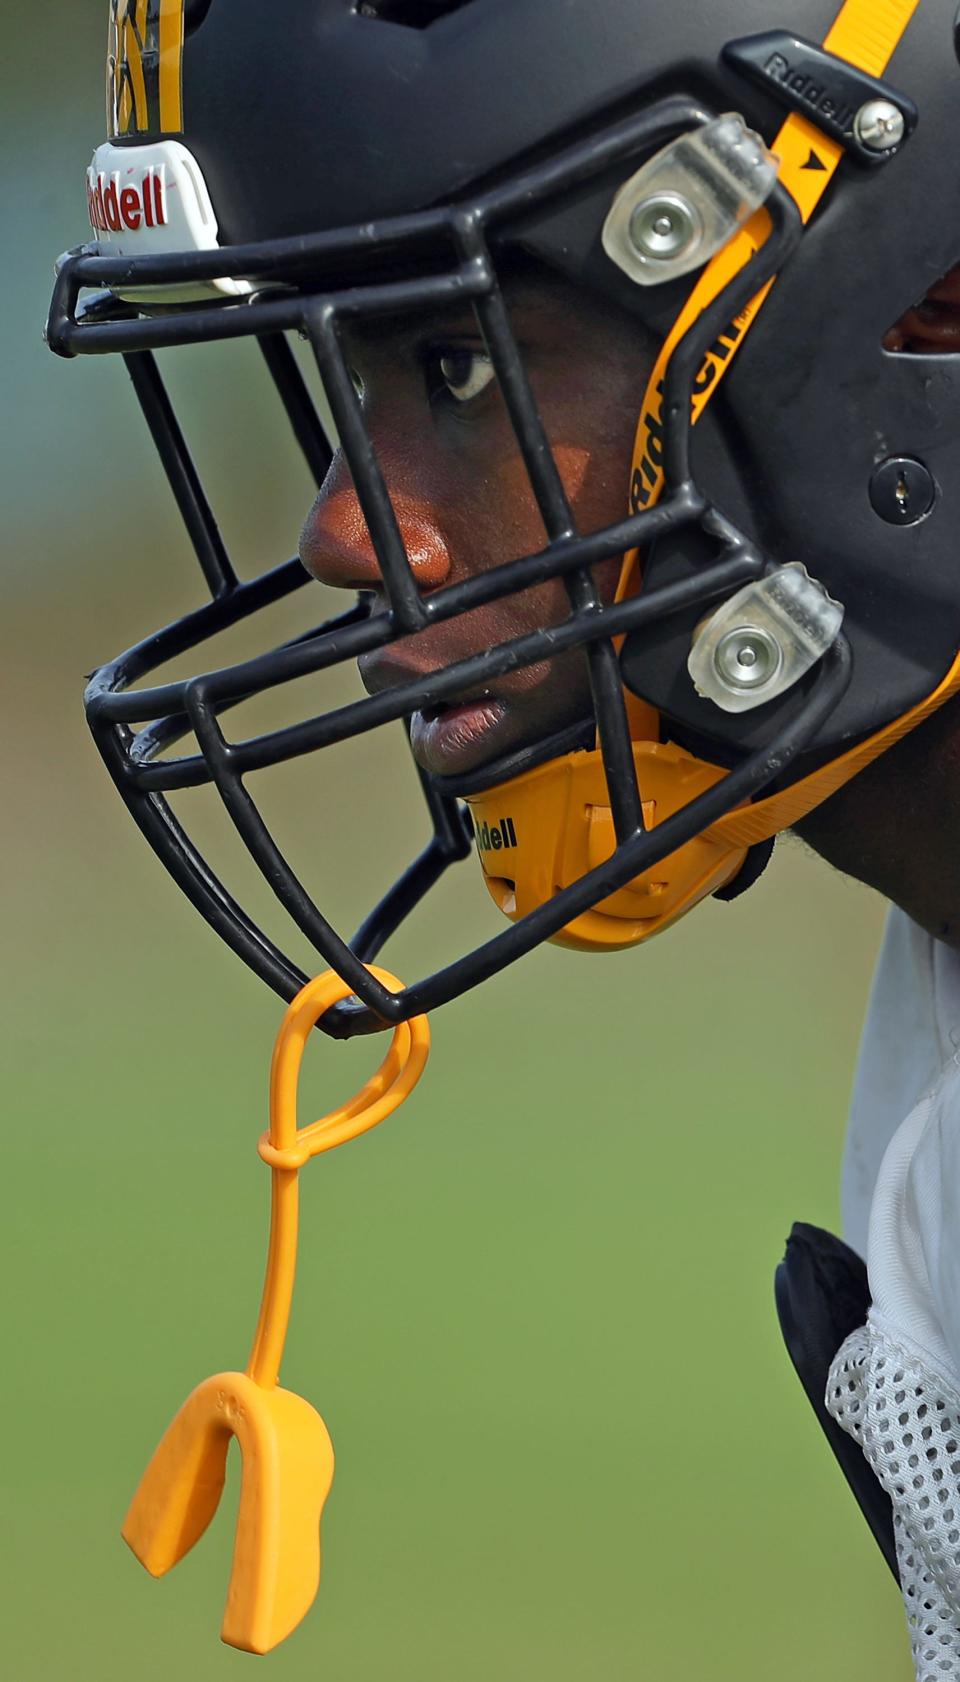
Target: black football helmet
[(768, 192)]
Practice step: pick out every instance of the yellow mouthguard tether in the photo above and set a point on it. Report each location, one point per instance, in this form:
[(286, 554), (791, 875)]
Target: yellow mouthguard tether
[(286, 1449)]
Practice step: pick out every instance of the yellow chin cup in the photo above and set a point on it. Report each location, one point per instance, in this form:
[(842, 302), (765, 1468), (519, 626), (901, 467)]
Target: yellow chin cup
[(287, 1456), (544, 831)]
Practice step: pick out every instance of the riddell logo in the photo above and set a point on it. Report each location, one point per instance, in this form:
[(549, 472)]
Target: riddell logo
[(114, 208), (648, 478), (807, 84), (495, 838)]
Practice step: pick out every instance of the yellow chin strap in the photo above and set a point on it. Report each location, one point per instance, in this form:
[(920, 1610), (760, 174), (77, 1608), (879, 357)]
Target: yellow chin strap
[(543, 831), (286, 1451)]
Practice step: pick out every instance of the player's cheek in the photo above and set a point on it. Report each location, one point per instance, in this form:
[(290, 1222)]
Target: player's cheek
[(573, 464), (507, 510)]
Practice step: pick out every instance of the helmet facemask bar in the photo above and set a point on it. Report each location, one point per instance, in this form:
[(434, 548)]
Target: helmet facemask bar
[(199, 704)]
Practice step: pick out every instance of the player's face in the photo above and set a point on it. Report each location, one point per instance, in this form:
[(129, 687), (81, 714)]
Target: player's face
[(464, 504)]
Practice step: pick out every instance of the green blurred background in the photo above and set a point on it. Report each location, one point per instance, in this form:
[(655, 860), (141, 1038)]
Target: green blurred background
[(536, 1307)]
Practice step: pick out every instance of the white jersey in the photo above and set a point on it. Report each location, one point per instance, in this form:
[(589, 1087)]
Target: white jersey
[(895, 1385), (911, 1035)]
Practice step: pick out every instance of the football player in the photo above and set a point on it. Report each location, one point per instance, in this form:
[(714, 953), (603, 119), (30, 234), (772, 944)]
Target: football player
[(637, 325)]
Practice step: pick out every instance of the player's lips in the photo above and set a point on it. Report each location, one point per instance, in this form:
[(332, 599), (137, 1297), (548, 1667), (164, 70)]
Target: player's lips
[(448, 736), (456, 737)]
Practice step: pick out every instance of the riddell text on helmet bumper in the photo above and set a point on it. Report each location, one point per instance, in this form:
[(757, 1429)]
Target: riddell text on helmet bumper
[(494, 838), (134, 205)]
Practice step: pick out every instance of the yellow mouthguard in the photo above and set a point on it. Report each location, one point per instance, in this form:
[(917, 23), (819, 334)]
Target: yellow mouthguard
[(285, 1446)]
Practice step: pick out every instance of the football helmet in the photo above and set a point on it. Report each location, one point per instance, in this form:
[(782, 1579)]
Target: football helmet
[(768, 194)]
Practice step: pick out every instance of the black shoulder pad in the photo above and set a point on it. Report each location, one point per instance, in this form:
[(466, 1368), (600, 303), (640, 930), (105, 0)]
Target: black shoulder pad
[(822, 1296)]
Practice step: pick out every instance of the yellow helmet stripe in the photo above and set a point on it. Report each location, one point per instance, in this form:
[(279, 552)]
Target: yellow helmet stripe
[(171, 66)]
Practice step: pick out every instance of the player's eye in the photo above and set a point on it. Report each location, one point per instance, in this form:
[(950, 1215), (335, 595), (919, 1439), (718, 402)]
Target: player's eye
[(464, 374)]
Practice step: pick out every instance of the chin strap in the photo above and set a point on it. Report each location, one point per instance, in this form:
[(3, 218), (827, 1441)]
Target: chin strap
[(287, 1454)]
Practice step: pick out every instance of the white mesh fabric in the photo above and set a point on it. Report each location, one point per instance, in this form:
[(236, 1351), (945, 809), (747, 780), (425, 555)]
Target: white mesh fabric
[(906, 1418)]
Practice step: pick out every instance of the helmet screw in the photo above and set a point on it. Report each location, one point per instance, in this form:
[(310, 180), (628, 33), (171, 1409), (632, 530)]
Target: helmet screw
[(880, 125), (902, 491), (748, 658), (663, 227)]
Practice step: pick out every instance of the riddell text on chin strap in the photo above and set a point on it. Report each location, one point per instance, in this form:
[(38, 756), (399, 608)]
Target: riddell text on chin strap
[(572, 789), (285, 1446)]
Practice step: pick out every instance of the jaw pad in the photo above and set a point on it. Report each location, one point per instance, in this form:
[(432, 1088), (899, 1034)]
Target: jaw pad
[(286, 1477)]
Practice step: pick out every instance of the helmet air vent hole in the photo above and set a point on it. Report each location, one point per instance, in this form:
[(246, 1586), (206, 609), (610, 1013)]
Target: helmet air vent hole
[(411, 14)]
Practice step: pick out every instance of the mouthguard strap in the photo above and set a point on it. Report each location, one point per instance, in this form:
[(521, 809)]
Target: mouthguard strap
[(287, 1148)]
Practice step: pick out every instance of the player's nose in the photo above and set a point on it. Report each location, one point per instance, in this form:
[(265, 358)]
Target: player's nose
[(336, 546)]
